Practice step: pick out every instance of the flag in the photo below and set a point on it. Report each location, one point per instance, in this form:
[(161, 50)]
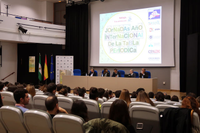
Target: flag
[(40, 69), (52, 69), (45, 69)]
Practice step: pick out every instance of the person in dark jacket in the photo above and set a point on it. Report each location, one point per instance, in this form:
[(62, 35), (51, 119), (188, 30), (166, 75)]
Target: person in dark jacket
[(51, 90)]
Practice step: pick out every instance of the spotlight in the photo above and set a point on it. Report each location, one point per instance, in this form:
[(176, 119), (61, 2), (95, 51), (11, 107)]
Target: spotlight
[(22, 29)]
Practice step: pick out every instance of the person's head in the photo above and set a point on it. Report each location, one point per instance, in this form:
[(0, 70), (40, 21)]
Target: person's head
[(21, 96), (151, 95), (191, 103), (119, 112), (1, 86), (59, 87), (125, 96), (6, 84), (168, 97), (139, 89), (63, 91), (105, 70), (117, 93), (75, 91), (192, 95), (106, 94), (198, 100), (24, 85), (51, 88), (143, 97), (51, 104), (92, 70), (31, 90), (81, 92), (101, 92), (143, 69), (115, 70), (175, 98), (110, 93), (160, 96), (134, 95), (12, 88), (69, 89), (79, 108), (20, 86), (131, 71), (17, 83), (93, 93)]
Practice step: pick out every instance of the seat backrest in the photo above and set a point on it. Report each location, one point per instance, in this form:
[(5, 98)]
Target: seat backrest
[(37, 90), (149, 74), (145, 118), (158, 102), (122, 72), (100, 100), (30, 105), (105, 109), (93, 108), (74, 98), (112, 99), (12, 119), (138, 103), (65, 102), (162, 107), (2, 127), (39, 102), (70, 94), (60, 95), (95, 71), (133, 99), (8, 98), (171, 102), (136, 74), (38, 121), (104, 99), (77, 72), (65, 123), (195, 121), (40, 93)]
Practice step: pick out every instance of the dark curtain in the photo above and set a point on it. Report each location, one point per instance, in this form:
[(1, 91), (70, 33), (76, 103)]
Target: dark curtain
[(77, 35), (190, 23)]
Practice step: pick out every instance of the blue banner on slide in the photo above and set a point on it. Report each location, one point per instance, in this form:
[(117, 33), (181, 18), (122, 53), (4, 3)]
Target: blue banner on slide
[(155, 14)]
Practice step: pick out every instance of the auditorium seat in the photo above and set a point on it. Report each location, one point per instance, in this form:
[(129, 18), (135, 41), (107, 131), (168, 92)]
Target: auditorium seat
[(93, 108), (8, 98), (162, 107), (2, 128), (104, 99), (105, 109), (136, 74), (30, 105), (65, 123), (122, 72), (74, 98), (100, 100), (40, 93), (149, 74), (38, 121), (195, 121), (65, 103), (12, 119), (39, 102), (145, 119), (112, 99), (77, 72), (60, 95), (70, 94), (36, 90), (158, 102), (171, 102), (103, 72), (133, 99), (138, 103)]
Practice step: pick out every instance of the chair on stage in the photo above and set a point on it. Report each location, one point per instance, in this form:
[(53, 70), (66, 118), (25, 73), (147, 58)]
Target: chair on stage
[(136, 74), (149, 74), (103, 71), (122, 72), (77, 72)]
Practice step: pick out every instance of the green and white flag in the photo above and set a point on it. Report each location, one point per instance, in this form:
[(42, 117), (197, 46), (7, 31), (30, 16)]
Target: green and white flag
[(40, 69)]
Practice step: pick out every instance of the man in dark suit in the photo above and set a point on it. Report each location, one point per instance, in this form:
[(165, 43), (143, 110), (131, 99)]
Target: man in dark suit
[(116, 73), (131, 74), (106, 73), (92, 73), (143, 73)]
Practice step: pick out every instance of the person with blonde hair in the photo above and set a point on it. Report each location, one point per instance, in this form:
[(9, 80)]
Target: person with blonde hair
[(31, 90), (143, 97), (125, 96)]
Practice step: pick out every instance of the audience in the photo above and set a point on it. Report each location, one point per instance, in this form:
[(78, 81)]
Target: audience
[(101, 92), (106, 95), (175, 98), (24, 85), (143, 97), (31, 90), (198, 100), (183, 97), (151, 95), (117, 93), (119, 113), (1, 89), (191, 103), (82, 92), (167, 97), (125, 96), (160, 97), (51, 104), (21, 98), (110, 94), (6, 84), (63, 92), (12, 88), (59, 87), (139, 89), (192, 95), (134, 95), (75, 91), (79, 108), (69, 89), (94, 95), (51, 90)]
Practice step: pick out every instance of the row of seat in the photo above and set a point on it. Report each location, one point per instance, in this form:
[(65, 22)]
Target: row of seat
[(77, 72)]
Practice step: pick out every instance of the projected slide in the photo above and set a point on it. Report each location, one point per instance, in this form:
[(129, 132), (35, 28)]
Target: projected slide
[(131, 37)]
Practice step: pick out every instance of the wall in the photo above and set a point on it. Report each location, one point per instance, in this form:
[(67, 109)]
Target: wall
[(9, 61)]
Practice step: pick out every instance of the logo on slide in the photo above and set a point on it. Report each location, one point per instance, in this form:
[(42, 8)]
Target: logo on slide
[(150, 29), (154, 51), (155, 14)]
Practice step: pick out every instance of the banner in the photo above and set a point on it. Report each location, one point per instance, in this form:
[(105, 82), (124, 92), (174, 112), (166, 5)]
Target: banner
[(31, 64)]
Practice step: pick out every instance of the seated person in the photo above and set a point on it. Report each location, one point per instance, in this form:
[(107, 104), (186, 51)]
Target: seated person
[(1, 89), (160, 97), (131, 74), (116, 73), (110, 93), (21, 98), (81, 92), (63, 92), (79, 108), (106, 73), (134, 95), (151, 95), (94, 95), (51, 90), (12, 88), (125, 96), (167, 97), (143, 97), (51, 104), (76, 91), (117, 93), (59, 87), (175, 98), (139, 89), (101, 92), (143, 73), (92, 73), (31, 90)]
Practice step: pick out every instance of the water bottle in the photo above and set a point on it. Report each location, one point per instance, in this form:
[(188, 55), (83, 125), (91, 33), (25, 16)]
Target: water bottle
[(86, 74)]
